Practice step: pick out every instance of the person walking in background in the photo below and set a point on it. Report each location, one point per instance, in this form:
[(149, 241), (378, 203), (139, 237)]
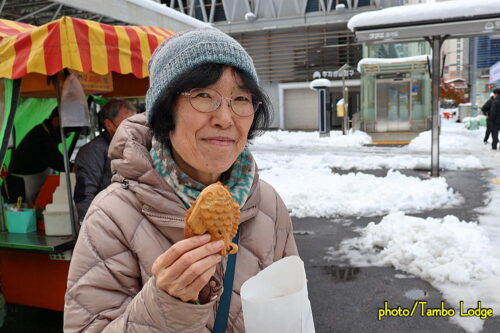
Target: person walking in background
[(92, 165), (486, 111), (495, 118)]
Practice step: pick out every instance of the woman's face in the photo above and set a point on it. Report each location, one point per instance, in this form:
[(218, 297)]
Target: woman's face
[(207, 144)]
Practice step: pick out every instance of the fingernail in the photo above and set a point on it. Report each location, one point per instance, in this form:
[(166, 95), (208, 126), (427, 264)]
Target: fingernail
[(204, 238)]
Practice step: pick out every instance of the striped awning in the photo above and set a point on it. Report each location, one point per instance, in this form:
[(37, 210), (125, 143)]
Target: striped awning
[(81, 45), (11, 28)]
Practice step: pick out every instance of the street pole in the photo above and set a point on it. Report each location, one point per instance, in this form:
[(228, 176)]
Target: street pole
[(345, 122), (473, 71), (345, 95), (436, 46)]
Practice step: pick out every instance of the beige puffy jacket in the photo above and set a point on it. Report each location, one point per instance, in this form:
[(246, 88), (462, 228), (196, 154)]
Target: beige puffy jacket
[(132, 222)]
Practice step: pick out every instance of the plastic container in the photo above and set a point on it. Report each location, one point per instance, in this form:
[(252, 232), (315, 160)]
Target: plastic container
[(21, 222), (57, 221)]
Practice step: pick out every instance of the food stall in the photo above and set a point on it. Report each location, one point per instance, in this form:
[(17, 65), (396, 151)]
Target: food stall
[(111, 61)]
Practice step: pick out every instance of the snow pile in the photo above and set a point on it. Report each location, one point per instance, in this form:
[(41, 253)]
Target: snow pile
[(266, 160), (454, 137), (280, 138), (320, 193), (460, 259), (437, 250)]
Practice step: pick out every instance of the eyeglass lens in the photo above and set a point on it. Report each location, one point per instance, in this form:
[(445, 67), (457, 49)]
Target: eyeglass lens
[(209, 100)]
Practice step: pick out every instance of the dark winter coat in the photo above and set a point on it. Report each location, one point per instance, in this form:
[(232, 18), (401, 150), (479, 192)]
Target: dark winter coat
[(495, 112), (93, 172), (38, 151), (486, 108)]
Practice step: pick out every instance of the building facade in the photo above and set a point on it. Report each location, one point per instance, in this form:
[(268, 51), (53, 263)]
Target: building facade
[(488, 54), (292, 42)]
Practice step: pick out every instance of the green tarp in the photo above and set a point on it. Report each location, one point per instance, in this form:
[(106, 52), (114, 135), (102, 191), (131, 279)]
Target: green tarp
[(29, 113)]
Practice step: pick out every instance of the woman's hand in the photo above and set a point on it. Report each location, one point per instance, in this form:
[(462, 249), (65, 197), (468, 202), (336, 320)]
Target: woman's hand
[(187, 266)]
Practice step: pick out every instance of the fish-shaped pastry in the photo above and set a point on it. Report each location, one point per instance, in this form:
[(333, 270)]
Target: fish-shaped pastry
[(215, 212)]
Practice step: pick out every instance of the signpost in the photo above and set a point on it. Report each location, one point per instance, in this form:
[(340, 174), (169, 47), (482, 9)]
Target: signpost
[(322, 86), (342, 72)]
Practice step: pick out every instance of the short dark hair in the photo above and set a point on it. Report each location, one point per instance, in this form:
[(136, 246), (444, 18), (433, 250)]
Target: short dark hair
[(163, 120), (496, 91), (111, 109)]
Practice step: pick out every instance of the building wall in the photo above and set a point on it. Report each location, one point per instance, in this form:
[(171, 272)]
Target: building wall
[(488, 52), (456, 60), (271, 90)]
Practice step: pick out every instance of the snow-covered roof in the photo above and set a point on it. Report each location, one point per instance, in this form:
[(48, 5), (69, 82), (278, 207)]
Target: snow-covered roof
[(455, 80), (171, 13), (428, 12), (139, 12), (319, 83), (378, 61)]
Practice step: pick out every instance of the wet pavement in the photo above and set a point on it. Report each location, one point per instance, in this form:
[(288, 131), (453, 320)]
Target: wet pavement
[(347, 299)]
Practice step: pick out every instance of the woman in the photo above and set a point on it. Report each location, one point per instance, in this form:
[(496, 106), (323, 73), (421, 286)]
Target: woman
[(131, 270)]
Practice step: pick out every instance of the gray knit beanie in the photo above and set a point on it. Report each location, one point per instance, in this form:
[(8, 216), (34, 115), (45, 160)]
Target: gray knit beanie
[(186, 50)]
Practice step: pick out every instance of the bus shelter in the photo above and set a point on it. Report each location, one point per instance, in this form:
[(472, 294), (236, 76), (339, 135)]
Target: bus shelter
[(111, 61), (433, 22)]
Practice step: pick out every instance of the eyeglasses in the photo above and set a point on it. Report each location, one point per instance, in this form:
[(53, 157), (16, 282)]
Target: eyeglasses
[(208, 100)]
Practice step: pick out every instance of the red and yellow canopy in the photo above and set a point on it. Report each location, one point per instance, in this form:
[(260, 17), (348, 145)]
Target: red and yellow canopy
[(81, 45), (10, 28)]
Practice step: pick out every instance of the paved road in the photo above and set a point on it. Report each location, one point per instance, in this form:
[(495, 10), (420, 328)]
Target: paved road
[(346, 299)]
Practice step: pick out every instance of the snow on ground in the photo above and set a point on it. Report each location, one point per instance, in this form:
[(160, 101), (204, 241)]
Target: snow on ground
[(454, 138), (281, 139), (461, 259), (437, 250), (267, 160), (286, 158), (458, 258), (320, 193)]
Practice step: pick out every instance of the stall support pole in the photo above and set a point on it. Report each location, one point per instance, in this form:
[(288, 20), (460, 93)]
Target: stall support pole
[(436, 42), (66, 160)]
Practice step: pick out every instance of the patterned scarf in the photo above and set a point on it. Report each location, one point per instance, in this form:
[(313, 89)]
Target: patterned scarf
[(239, 181)]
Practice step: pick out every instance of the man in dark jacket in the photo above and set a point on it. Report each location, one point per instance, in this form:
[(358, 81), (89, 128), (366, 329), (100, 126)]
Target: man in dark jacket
[(92, 165), (33, 159), (486, 111), (495, 118)]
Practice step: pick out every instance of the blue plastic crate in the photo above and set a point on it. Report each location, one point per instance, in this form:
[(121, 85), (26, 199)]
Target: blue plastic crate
[(21, 222)]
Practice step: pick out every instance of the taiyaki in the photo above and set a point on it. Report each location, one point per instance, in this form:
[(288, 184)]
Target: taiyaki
[(215, 212)]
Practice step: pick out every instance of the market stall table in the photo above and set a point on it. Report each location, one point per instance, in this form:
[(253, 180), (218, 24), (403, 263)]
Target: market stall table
[(34, 268)]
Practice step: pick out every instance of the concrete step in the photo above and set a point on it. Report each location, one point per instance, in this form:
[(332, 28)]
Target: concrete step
[(392, 138)]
